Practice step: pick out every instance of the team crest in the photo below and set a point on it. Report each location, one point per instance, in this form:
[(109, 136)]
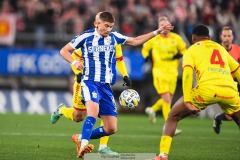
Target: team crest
[(94, 94), (109, 40)]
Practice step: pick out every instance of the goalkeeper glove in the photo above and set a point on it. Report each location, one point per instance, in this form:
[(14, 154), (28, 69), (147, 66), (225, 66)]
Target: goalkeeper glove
[(127, 81), (79, 77), (147, 59), (177, 56)]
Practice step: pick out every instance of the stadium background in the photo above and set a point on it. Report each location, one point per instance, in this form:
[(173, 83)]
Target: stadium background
[(33, 76)]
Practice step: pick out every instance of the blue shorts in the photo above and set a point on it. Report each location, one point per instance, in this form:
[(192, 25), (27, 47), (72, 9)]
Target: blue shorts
[(102, 94)]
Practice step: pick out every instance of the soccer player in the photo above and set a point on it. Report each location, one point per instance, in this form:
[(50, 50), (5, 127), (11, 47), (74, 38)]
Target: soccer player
[(77, 98), (213, 67), (98, 52), (166, 48), (234, 50)]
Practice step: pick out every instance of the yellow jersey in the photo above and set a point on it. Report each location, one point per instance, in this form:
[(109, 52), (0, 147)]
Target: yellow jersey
[(163, 49), (212, 63)]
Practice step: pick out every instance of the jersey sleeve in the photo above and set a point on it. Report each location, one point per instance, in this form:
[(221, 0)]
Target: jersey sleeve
[(79, 40), (120, 39), (187, 60), (120, 62)]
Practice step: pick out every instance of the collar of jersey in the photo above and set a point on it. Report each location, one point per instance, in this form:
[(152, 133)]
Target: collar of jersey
[(96, 33)]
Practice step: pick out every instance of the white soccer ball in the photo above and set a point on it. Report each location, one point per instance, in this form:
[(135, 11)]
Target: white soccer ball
[(129, 98)]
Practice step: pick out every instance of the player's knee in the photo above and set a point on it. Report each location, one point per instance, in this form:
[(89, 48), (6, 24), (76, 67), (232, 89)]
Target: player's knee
[(79, 118), (111, 130)]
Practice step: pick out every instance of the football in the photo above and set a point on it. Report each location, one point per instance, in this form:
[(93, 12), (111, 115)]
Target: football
[(129, 99)]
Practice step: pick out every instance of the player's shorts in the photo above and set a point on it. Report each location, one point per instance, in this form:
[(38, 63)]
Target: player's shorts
[(102, 94), (77, 97), (164, 83), (227, 98)]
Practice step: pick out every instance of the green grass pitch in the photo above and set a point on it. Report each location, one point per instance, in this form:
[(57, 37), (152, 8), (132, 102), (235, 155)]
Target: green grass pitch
[(33, 137)]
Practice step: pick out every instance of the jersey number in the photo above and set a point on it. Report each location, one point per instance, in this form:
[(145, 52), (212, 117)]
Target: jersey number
[(216, 58)]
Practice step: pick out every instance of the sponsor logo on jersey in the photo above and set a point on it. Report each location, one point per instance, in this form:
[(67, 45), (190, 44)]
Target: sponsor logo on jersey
[(101, 48)]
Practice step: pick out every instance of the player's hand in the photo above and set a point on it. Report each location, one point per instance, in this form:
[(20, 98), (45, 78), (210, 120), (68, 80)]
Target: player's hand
[(127, 81), (177, 56), (167, 27), (79, 65), (193, 109)]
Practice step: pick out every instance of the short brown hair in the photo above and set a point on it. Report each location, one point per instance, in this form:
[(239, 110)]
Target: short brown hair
[(107, 17)]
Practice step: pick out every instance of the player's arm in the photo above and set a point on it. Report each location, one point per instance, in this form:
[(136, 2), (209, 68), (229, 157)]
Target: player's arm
[(121, 66), (135, 41), (146, 50), (66, 54), (182, 48), (234, 67), (187, 81), (187, 77)]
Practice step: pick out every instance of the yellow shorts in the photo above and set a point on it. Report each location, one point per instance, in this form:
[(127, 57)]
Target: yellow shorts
[(77, 97), (227, 98), (164, 83)]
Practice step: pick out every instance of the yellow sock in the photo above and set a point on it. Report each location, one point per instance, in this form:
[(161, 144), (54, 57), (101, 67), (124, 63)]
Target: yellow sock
[(166, 107), (103, 140), (158, 105), (67, 112), (165, 144)]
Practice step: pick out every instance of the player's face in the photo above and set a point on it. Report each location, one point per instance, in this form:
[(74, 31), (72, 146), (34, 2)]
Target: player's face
[(227, 37), (163, 23), (104, 28)]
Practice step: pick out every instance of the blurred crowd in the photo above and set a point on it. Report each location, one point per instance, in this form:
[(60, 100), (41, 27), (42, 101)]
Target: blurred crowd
[(133, 17)]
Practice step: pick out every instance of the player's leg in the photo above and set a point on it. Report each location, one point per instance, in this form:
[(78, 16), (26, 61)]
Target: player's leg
[(230, 107), (103, 145), (218, 118), (172, 88), (76, 115), (107, 112), (87, 128), (160, 86), (236, 118), (178, 112), (166, 106)]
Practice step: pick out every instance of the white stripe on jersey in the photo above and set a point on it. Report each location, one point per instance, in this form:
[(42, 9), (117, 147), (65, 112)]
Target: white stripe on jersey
[(108, 71), (86, 92)]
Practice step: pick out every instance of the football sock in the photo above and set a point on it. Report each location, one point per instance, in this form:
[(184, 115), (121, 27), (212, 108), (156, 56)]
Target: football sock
[(67, 112), (157, 105), (166, 107), (103, 140), (222, 117), (84, 142), (101, 146), (87, 128), (165, 144), (98, 133)]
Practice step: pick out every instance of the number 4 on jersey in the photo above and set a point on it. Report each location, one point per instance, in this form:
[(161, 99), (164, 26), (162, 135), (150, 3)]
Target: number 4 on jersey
[(216, 58)]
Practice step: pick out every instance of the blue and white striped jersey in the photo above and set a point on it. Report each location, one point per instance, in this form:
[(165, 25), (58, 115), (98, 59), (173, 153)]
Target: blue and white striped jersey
[(98, 54)]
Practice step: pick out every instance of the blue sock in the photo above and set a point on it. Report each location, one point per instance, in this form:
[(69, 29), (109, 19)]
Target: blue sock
[(88, 127), (98, 133)]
